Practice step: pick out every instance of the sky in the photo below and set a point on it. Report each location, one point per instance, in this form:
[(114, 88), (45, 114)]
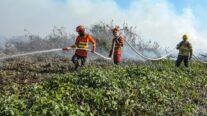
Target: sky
[(198, 8), (164, 21)]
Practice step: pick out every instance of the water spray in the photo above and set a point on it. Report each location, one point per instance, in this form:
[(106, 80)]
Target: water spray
[(30, 53), (52, 50)]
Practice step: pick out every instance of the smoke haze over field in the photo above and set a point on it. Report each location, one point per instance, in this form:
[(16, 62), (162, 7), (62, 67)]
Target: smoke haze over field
[(156, 21)]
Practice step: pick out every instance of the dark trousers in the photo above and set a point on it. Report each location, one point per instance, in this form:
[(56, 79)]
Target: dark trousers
[(180, 59), (76, 58)]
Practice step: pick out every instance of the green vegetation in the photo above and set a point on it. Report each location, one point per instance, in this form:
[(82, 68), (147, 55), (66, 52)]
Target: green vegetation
[(47, 87)]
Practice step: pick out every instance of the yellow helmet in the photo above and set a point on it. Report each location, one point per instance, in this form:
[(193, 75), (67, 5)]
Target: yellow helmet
[(185, 37)]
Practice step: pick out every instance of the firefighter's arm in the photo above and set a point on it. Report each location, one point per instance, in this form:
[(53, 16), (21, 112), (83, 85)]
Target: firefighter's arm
[(76, 44), (191, 50), (71, 46), (120, 41), (93, 42), (178, 46)]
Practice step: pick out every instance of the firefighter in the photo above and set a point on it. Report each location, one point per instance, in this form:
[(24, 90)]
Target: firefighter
[(117, 44), (80, 56), (185, 52)]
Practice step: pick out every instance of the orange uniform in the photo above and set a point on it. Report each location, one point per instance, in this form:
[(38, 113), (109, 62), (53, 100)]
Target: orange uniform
[(82, 42), (118, 42)]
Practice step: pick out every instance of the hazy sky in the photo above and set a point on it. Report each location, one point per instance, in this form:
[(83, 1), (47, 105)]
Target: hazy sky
[(161, 20)]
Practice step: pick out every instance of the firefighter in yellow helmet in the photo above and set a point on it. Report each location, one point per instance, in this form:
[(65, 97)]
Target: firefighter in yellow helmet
[(185, 52)]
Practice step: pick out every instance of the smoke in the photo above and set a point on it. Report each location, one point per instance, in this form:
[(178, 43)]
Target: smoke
[(155, 20), (2, 42)]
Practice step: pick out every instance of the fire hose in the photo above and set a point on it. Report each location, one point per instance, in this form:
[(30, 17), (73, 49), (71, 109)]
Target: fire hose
[(147, 58), (98, 54), (198, 59), (156, 59)]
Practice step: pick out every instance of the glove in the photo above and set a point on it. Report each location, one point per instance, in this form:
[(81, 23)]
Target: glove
[(66, 49), (94, 49)]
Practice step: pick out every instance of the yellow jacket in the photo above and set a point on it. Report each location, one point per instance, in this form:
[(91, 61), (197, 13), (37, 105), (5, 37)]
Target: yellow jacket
[(185, 48)]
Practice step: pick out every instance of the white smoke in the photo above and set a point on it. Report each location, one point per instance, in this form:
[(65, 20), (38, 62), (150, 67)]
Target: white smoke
[(155, 20), (2, 42)]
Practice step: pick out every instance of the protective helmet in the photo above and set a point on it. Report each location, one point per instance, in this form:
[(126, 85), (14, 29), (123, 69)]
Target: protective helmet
[(185, 37), (80, 28)]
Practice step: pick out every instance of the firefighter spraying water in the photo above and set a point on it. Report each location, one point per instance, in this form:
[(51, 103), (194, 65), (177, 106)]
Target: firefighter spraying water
[(79, 58)]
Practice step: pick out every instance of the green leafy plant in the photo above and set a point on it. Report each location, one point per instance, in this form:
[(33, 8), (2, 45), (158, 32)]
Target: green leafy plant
[(50, 88)]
